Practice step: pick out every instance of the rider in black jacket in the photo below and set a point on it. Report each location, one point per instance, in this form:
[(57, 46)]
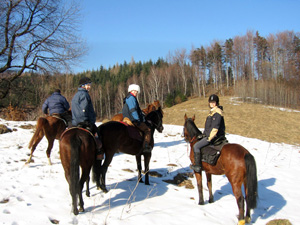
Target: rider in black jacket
[(214, 129)]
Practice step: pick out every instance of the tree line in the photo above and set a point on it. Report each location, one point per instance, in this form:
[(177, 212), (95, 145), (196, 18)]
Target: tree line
[(263, 69)]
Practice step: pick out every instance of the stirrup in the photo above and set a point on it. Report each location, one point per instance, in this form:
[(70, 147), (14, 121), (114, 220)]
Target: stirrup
[(100, 154)]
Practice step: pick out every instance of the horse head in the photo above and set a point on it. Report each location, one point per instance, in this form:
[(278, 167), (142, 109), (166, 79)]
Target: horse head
[(155, 119), (190, 130)]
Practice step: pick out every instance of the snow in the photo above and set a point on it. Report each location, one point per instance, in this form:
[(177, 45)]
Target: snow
[(38, 193)]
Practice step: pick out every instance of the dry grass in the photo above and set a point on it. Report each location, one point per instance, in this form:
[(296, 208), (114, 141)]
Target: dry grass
[(245, 119)]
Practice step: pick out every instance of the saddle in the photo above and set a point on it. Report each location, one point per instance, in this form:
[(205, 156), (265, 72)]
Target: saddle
[(86, 130), (57, 116), (211, 153), (133, 132)]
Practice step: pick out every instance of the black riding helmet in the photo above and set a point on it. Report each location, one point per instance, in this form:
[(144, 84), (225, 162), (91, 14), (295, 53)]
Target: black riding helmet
[(214, 98), (84, 80)]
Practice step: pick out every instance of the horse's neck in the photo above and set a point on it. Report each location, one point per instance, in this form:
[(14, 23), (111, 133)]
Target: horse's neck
[(195, 131)]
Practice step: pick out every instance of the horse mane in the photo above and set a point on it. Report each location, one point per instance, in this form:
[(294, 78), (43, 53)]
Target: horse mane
[(192, 128), (159, 111)]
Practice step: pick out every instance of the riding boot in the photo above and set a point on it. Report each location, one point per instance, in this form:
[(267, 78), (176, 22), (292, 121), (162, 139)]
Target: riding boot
[(99, 150), (197, 162)]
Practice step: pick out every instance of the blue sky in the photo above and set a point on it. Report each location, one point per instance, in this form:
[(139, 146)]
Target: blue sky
[(117, 30)]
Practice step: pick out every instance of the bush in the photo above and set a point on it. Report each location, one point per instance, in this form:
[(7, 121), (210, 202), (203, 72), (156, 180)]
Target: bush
[(175, 98)]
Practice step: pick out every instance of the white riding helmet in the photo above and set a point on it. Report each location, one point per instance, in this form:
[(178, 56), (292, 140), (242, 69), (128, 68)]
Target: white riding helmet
[(134, 87)]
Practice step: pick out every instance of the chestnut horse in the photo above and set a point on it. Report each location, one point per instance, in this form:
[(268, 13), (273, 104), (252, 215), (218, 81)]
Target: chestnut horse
[(235, 162), (77, 148), (151, 107), (51, 127), (115, 138)]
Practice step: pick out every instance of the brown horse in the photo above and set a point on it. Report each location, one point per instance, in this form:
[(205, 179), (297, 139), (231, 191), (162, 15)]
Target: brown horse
[(51, 127), (151, 107), (77, 148), (235, 162), (115, 138)]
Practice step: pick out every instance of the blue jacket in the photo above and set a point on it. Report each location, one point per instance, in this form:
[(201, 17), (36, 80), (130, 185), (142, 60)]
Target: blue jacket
[(56, 103), (82, 108), (132, 110)]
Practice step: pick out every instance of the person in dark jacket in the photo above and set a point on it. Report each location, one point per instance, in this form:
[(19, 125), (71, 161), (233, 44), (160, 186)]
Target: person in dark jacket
[(131, 110), (83, 113), (57, 105), (214, 129)]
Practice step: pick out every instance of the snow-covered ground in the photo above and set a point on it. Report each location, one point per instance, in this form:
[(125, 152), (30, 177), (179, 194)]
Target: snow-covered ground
[(38, 193)]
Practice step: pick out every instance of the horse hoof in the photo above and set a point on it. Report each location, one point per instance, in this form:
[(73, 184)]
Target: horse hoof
[(248, 219), (102, 189), (87, 194), (201, 203), (75, 212), (81, 209), (241, 222)]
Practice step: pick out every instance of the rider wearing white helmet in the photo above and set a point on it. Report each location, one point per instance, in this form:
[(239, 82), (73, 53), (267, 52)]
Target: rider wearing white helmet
[(132, 110)]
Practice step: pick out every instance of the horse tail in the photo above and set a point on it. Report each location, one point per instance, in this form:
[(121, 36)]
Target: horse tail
[(39, 131), (74, 168), (251, 177)]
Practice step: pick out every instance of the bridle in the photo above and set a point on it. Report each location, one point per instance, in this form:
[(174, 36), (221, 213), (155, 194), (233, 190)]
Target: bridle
[(195, 138), (159, 124)]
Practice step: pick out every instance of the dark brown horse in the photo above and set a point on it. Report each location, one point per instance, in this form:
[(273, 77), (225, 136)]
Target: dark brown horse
[(151, 107), (115, 138), (77, 149), (51, 127), (235, 162)]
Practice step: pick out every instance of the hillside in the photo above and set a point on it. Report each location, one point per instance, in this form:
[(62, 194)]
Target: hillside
[(246, 119)]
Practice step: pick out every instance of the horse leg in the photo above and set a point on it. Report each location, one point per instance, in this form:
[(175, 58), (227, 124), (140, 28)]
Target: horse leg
[(209, 185), (87, 191), (147, 157), (72, 191), (139, 167), (200, 188), (85, 177), (237, 191), (35, 143), (248, 217), (103, 169), (50, 146)]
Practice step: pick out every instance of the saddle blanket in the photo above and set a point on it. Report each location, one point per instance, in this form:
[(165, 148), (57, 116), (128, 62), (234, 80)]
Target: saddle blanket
[(133, 132), (211, 153)]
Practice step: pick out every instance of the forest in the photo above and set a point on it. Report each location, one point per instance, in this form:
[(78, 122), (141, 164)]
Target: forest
[(260, 69)]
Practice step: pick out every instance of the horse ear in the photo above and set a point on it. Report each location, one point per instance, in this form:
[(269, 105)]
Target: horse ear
[(185, 116), (193, 118)]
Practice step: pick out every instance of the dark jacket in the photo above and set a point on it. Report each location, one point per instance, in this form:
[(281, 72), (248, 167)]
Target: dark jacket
[(82, 108), (132, 110), (56, 103), (214, 124)]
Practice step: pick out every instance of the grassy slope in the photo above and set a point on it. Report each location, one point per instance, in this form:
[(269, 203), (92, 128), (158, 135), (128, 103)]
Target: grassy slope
[(245, 119)]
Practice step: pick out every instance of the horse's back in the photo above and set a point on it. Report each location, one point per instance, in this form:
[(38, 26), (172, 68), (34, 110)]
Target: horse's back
[(232, 158), (111, 126), (77, 138), (116, 137)]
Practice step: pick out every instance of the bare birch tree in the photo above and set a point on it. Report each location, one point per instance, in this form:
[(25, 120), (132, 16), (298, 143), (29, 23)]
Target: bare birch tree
[(37, 35)]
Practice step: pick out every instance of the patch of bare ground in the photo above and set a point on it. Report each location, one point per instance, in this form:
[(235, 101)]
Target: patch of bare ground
[(259, 121)]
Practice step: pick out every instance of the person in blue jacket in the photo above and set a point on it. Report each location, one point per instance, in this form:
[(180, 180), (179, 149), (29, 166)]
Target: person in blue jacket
[(131, 109), (57, 105), (214, 129), (83, 113)]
